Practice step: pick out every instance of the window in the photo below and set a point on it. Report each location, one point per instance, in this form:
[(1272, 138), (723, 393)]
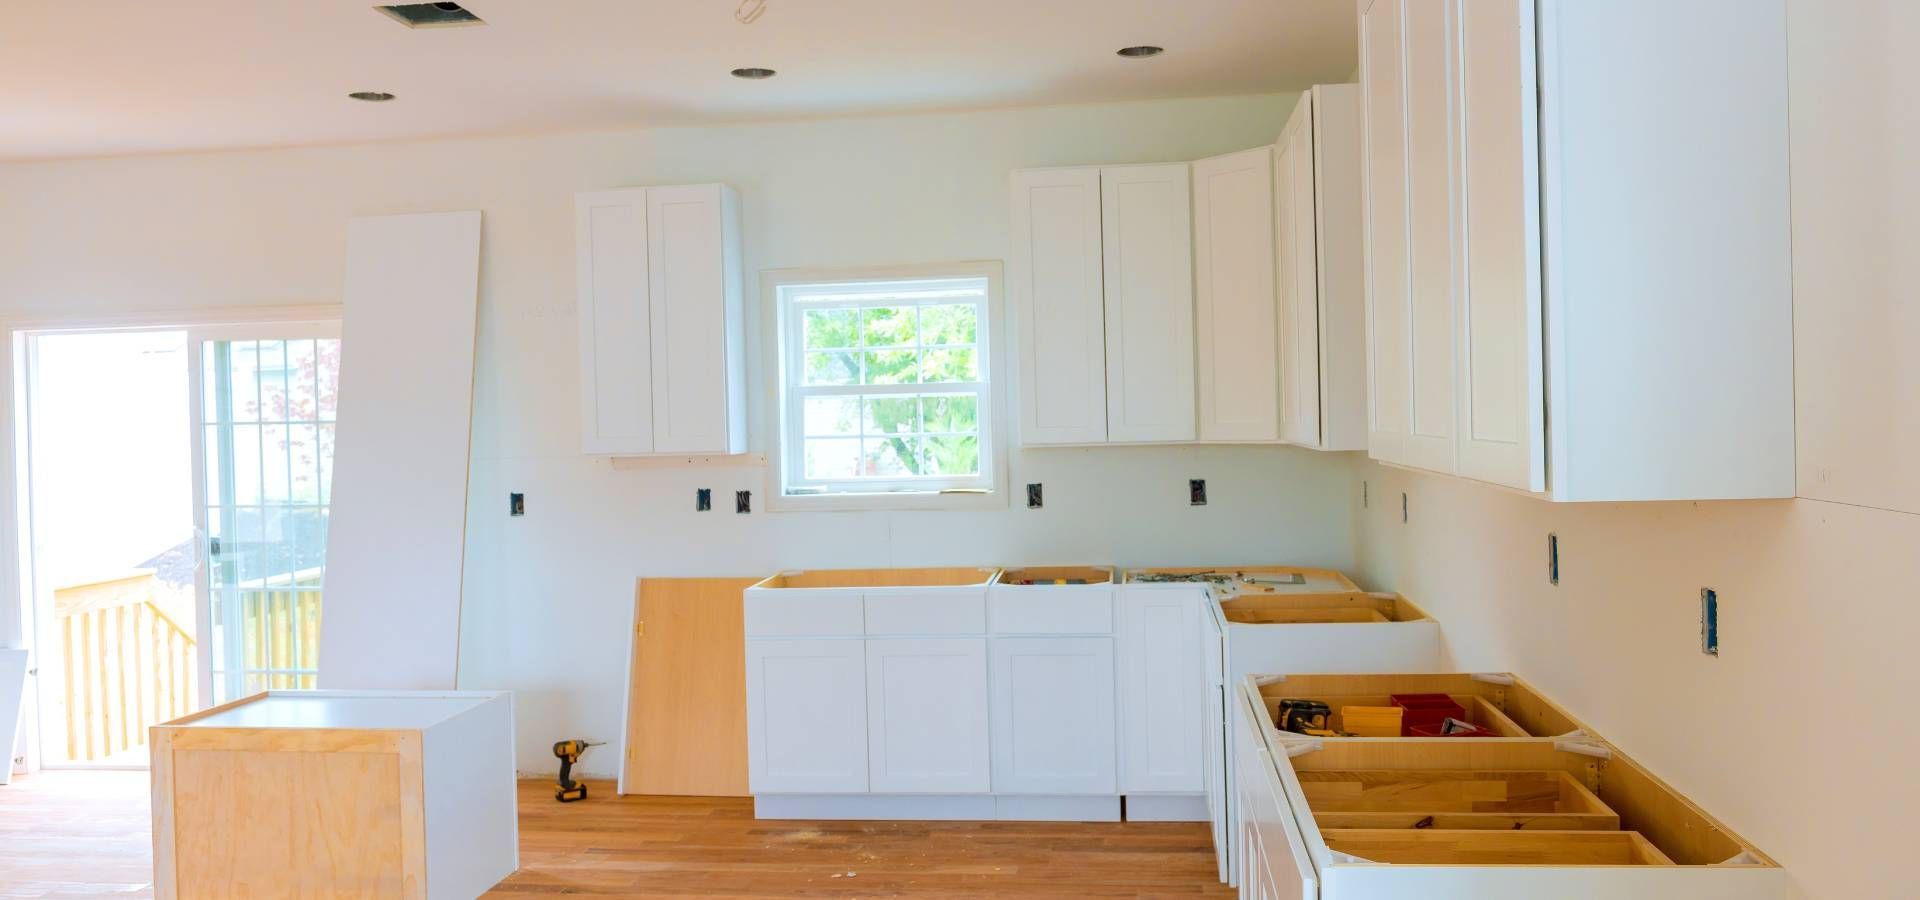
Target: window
[(885, 388)]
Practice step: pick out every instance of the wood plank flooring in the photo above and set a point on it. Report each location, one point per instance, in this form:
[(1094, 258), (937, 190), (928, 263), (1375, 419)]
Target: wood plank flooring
[(85, 834)]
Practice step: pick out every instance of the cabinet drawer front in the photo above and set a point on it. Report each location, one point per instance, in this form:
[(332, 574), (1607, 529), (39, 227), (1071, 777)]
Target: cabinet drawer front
[(931, 612), (799, 613), (1055, 610)]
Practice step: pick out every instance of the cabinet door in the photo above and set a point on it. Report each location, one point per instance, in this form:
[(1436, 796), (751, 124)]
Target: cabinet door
[(693, 305), (1053, 716), (1214, 745), (1383, 98), (1239, 362), (1434, 231), (807, 716), (1147, 245), (1502, 406), (1160, 691), (1056, 289), (616, 344), (927, 716), (1298, 282)]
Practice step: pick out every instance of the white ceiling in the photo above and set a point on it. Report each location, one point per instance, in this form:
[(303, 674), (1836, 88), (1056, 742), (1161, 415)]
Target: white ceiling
[(112, 77)]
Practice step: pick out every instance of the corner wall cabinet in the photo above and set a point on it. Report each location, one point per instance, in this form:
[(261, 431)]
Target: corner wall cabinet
[(1578, 285), (662, 352), (1321, 273), (1102, 285)]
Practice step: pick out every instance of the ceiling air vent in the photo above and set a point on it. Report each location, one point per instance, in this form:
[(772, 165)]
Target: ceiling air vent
[(431, 15)]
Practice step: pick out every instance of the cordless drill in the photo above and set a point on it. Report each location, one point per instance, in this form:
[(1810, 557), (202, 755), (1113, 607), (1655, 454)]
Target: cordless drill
[(569, 753)]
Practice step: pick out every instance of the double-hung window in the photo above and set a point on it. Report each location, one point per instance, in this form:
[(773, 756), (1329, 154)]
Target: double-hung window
[(885, 384)]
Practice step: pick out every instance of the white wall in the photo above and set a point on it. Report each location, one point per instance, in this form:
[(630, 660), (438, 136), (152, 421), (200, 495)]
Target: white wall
[(548, 596), (1798, 735)]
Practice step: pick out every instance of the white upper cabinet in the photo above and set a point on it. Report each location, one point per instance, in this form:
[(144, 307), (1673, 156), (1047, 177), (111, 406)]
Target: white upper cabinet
[(1502, 411), (1320, 280), (1146, 230), (1103, 288), (1233, 297), (662, 358), (1578, 284), (1056, 288)]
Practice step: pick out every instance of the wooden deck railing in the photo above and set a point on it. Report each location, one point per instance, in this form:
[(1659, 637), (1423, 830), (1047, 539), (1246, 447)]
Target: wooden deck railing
[(128, 665)]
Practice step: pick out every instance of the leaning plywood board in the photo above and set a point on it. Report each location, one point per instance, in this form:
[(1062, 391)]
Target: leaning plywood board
[(686, 728), (13, 679), (397, 530)]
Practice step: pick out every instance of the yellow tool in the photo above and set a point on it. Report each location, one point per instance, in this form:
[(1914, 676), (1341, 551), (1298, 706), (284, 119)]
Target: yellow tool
[(569, 753)]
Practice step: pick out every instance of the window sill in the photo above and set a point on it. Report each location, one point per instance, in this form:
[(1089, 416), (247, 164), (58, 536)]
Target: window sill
[(894, 500)]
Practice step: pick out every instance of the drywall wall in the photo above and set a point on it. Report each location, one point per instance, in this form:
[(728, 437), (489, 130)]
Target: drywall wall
[(548, 596), (1794, 735)]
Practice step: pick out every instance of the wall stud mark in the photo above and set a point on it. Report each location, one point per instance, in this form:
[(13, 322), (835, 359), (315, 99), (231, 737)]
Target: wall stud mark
[(703, 500), (1196, 492), (1709, 622), (743, 502), (1033, 495), (516, 504), (1553, 558)]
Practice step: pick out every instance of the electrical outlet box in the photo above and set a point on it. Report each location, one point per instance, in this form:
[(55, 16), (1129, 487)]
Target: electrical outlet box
[(1709, 622), (743, 502), (516, 504), (1196, 492), (703, 500), (1033, 496)]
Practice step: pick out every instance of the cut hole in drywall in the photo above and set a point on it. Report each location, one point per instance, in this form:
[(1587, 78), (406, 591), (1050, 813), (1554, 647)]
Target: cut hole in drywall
[(1196, 491), (1033, 496), (703, 500), (743, 502), (1553, 558), (1709, 622), (516, 504)]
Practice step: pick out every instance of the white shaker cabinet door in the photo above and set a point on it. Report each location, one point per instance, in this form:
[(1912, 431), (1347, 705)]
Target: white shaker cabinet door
[(616, 342), (807, 716), (697, 375), (1298, 284), (1502, 379), (1236, 313), (1053, 715), (1060, 309), (1161, 691), (927, 720), (1147, 248)]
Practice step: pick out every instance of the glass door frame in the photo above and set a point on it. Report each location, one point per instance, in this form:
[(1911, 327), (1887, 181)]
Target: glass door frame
[(23, 621), (197, 340)]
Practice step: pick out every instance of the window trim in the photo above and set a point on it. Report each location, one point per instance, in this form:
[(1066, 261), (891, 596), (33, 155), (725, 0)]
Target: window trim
[(784, 406)]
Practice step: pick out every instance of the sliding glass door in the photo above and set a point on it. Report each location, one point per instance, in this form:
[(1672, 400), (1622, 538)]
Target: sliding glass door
[(264, 426)]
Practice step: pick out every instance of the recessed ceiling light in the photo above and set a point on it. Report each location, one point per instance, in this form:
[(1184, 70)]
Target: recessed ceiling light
[(371, 96), (430, 15), (1141, 52), (754, 73)]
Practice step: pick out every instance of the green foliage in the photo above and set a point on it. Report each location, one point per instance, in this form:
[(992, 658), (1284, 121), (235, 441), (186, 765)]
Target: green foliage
[(896, 345)]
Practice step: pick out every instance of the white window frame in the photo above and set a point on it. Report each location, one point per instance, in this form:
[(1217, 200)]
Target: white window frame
[(783, 362)]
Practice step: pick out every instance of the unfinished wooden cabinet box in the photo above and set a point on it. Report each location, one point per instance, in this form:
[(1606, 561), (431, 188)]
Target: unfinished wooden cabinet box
[(1543, 809), (336, 793), (1252, 628)]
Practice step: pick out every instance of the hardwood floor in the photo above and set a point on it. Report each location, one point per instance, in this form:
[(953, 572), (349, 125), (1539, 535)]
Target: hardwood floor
[(82, 834)]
